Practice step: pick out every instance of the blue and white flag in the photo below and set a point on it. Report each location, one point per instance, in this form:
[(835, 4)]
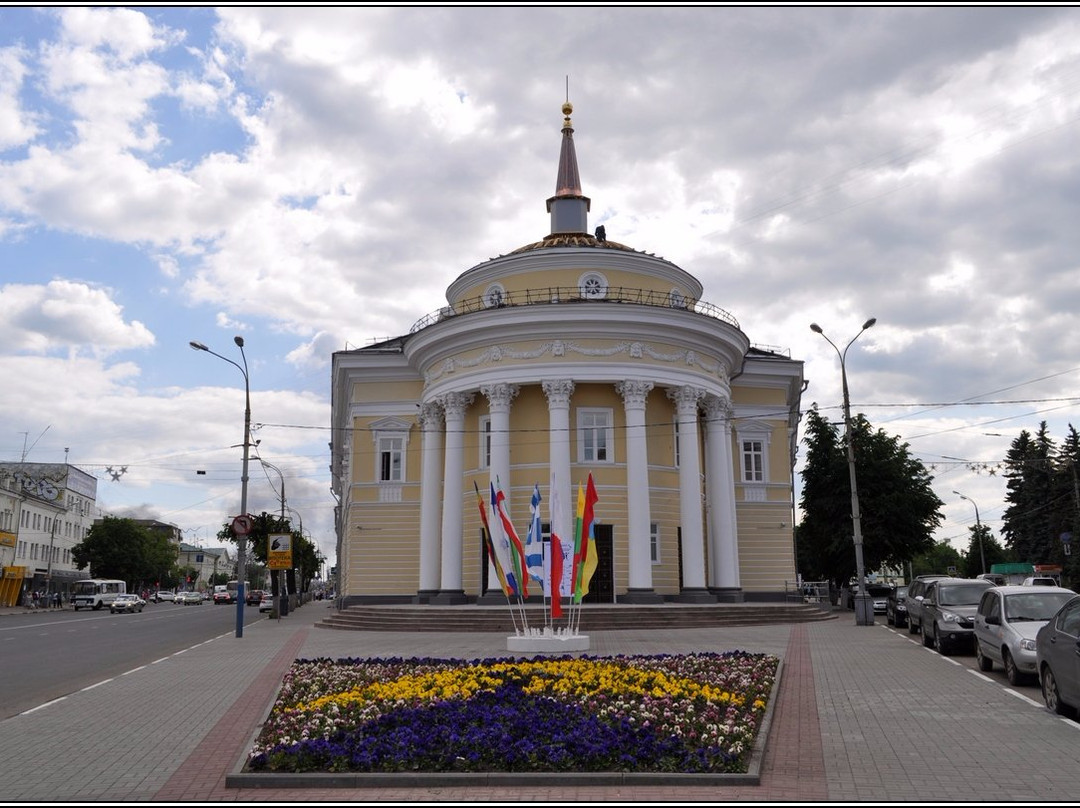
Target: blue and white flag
[(534, 541)]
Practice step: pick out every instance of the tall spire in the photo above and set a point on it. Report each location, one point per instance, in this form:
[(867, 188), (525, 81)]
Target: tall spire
[(569, 207)]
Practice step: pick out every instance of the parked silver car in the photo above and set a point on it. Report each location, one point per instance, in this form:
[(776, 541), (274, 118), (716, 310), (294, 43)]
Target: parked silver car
[(1006, 622), (1057, 653), (948, 612), (914, 598)]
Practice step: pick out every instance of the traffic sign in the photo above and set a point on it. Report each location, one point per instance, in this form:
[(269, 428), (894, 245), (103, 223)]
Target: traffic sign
[(241, 525)]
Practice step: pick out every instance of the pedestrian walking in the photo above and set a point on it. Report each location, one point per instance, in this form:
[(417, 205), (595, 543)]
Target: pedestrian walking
[(56, 600)]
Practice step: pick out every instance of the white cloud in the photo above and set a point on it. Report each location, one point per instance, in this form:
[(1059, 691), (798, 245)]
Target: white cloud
[(68, 316)]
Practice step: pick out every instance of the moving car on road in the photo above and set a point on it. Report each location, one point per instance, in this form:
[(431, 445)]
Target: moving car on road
[(126, 603), (266, 602), (1006, 623)]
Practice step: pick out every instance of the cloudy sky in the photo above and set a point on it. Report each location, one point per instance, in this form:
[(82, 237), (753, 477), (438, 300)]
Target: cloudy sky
[(313, 179)]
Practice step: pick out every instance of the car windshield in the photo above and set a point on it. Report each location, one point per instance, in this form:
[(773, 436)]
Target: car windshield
[(962, 594), (1036, 606)]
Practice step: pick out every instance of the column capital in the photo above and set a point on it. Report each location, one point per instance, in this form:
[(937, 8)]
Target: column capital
[(558, 392), (718, 408), (431, 416), (455, 404), (686, 398), (634, 392), (500, 395)]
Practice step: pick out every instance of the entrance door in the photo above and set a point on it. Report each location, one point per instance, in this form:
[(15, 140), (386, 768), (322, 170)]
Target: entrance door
[(602, 585)]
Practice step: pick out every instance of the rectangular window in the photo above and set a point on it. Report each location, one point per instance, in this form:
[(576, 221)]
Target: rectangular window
[(390, 460), (753, 461), (676, 425), (595, 436), (654, 542), (485, 441)]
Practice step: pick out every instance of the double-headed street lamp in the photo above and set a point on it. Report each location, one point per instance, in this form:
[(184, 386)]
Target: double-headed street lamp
[(978, 529), (241, 539), (864, 607)]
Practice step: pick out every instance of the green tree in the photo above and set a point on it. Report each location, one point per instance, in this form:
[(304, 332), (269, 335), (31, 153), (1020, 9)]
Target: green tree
[(121, 548), (1030, 493), (972, 564), (898, 507), (938, 560)]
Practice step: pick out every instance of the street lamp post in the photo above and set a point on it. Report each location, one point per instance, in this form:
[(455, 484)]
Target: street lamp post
[(283, 602), (241, 540), (864, 607), (978, 528)]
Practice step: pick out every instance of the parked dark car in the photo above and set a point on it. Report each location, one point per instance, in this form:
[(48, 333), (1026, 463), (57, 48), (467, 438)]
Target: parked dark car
[(252, 597), (895, 607), (948, 613), (1057, 654)]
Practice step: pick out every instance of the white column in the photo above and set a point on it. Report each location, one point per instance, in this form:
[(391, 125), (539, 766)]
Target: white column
[(719, 474), (454, 406), (640, 589), (499, 397), (686, 400), (558, 394), (431, 429)]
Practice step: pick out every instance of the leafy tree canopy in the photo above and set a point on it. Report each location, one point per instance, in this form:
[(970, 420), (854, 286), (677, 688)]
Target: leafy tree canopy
[(123, 549), (898, 507)]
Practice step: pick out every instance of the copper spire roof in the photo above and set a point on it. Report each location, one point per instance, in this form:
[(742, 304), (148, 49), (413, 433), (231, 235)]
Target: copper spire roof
[(568, 182)]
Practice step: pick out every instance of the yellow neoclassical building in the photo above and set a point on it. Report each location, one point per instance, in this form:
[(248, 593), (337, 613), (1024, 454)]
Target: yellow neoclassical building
[(568, 356)]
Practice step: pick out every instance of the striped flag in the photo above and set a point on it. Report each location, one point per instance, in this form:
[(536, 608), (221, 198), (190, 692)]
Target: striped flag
[(487, 543), (579, 546), (589, 557), (534, 540), (512, 552)]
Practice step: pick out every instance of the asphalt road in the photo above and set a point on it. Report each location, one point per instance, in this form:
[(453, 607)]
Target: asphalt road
[(50, 654)]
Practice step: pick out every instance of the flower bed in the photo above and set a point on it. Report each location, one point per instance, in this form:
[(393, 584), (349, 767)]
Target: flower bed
[(665, 713)]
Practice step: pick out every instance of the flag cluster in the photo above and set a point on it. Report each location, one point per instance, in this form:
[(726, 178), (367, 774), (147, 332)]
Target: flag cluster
[(569, 567)]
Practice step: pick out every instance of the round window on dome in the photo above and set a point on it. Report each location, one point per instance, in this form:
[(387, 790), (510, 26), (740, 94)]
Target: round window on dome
[(494, 296), (593, 286)]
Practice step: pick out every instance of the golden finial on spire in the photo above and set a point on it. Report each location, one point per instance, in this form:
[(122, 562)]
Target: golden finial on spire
[(567, 107)]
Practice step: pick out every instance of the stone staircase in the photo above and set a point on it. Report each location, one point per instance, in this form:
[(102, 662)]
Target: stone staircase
[(472, 618)]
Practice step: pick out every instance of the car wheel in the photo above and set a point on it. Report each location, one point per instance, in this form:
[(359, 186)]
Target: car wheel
[(939, 644), (1012, 673), (911, 627), (927, 638), (1050, 693), (985, 663)]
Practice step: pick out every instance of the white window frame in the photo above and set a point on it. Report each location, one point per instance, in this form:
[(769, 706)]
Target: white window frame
[(484, 431), (585, 415), (753, 460), (654, 542), (389, 448), (754, 438), (385, 433)]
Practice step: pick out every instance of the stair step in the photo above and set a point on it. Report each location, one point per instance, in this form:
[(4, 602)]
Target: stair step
[(470, 618)]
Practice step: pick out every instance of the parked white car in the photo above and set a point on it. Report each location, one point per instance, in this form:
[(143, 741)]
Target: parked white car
[(1007, 622)]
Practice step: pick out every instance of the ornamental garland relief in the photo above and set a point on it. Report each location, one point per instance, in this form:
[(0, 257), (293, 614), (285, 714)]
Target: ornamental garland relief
[(559, 348)]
